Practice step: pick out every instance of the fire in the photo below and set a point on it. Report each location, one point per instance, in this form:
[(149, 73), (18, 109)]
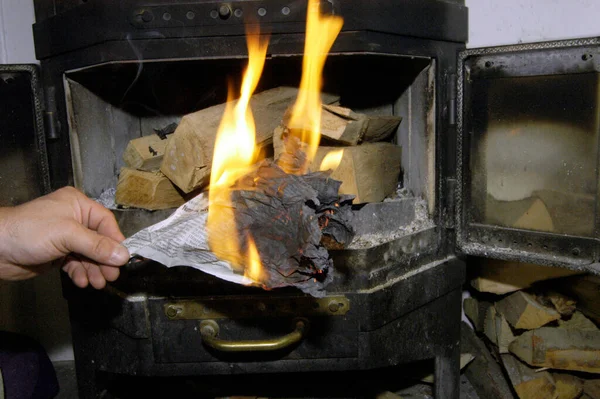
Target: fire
[(305, 120), (332, 160), (235, 151), (254, 270)]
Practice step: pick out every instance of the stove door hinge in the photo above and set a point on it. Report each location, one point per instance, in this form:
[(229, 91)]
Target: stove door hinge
[(449, 215), (51, 123), (451, 95)]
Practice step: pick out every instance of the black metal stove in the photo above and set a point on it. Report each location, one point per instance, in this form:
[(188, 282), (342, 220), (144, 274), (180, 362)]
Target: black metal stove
[(111, 71)]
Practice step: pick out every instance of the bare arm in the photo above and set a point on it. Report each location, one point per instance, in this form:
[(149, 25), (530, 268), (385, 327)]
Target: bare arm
[(63, 225)]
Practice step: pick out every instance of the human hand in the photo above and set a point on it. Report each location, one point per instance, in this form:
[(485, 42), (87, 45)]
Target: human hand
[(65, 225)]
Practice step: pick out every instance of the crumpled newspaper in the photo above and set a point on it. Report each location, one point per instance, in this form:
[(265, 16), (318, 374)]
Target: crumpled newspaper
[(282, 213), (181, 240)]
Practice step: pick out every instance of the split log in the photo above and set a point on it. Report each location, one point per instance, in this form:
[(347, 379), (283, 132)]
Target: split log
[(188, 156), (501, 277), (483, 372), (528, 383), (476, 310), (578, 322), (343, 126), (145, 153), (592, 388), (146, 190), (368, 171), (562, 303), (523, 311), (497, 329), (586, 290), (567, 386), (559, 348)]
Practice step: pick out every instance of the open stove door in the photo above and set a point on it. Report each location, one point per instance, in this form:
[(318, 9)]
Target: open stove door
[(528, 153), (23, 162)]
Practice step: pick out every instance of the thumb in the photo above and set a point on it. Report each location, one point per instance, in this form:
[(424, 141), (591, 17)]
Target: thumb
[(96, 247)]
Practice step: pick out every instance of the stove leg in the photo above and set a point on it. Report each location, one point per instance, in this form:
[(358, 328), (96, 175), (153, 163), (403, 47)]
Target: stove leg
[(88, 384), (447, 374)]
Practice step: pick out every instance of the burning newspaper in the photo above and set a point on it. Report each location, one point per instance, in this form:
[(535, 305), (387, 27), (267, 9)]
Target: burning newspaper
[(283, 217)]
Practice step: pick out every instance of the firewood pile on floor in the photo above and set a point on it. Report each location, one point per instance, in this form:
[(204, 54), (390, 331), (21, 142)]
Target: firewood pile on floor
[(535, 332)]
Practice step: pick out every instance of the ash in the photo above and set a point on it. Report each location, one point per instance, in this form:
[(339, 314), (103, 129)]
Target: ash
[(419, 223), (107, 198)]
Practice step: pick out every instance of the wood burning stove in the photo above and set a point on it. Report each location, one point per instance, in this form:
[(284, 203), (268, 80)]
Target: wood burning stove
[(113, 71)]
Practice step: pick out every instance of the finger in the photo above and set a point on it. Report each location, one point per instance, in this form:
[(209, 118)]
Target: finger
[(94, 246), (94, 275), (76, 272), (96, 217), (110, 273)]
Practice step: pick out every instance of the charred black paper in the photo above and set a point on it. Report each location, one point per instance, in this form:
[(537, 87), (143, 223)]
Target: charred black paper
[(287, 216)]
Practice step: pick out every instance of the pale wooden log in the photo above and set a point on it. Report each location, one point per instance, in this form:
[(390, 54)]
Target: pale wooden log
[(523, 311), (342, 125), (497, 329), (501, 277), (562, 303), (476, 310), (559, 348), (188, 156), (586, 290), (578, 322), (528, 383), (368, 171), (489, 324), (146, 190), (567, 386), (592, 388), (145, 153)]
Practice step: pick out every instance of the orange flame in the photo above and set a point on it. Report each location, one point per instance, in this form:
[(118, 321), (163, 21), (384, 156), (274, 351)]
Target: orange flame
[(234, 153), (305, 120), (254, 269), (332, 160)]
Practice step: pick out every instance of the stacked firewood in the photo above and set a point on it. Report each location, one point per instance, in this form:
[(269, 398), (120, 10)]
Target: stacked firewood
[(536, 332), (164, 170), (141, 183)]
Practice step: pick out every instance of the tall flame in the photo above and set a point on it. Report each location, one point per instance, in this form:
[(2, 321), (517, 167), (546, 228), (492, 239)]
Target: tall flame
[(234, 153), (305, 120)]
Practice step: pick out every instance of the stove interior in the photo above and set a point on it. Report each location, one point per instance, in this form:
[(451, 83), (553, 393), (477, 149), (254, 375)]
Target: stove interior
[(111, 104)]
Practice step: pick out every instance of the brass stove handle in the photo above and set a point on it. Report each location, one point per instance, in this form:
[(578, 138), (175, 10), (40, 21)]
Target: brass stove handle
[(209, 331)]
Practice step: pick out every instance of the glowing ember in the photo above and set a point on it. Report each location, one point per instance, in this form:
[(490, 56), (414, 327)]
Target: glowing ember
[(332, 160), (234, 153), (305, 120)]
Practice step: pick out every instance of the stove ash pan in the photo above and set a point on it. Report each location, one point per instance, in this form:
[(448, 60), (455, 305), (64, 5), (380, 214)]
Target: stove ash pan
[(390, 285)]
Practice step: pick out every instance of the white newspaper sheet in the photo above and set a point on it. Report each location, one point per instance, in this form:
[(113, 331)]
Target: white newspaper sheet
[(181, 240)]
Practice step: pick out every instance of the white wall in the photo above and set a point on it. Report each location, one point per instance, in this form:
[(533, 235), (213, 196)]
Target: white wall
[(494, 23), (16, 39), (37, 308)]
